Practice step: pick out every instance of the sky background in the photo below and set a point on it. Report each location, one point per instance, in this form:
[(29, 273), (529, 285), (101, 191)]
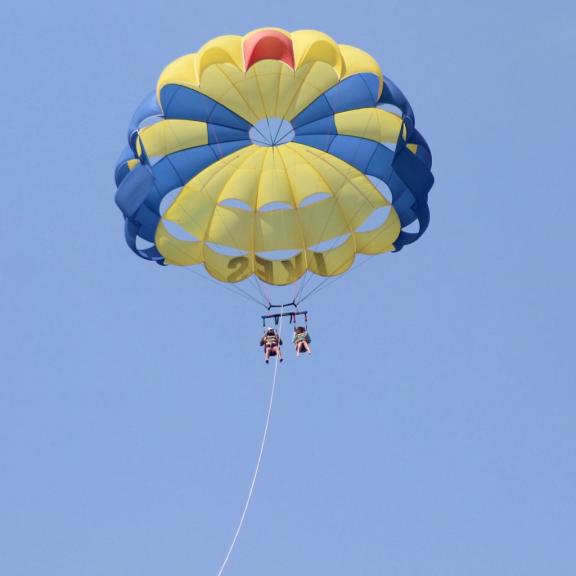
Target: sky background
[(431, 433)]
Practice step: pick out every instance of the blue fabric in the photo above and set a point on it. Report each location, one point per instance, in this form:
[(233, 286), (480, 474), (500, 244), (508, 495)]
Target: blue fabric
[(187, 163), (320, 108), (380, 164), (226, 148), (325, 125), (355, 151), (320, 141), (354, 92), (131, 233), (166, 177), (184, 103), (423, 151), (122, 169), (414, 173), (221, 115), (218, 133), (133, 190), (148, 108), (148, 221), (391, 94)]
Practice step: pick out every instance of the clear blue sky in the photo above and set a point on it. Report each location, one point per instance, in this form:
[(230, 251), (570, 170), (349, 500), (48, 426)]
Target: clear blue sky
[(432, 433)]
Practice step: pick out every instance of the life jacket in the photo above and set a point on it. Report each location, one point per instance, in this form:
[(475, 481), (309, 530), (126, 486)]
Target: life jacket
[(302, 336), (270, 340)]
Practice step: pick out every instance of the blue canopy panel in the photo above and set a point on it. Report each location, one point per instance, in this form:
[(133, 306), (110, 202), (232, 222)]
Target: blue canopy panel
[(358, 91), (147, 110), (180, 102), (139, 221), (392, 95), (122, 169)]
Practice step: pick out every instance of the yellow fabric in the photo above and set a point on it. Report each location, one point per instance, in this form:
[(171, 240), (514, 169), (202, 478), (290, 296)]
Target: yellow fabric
[(314, 79), (171, 136), (280, 272), (311, 46), (231, 227), (182, 71), (286, 174), (373, 123), (245, 176), (357, 61), (225, 49), (178, 252), (260, 200), (382, 238), (228, 268), (332, 262), (270, 88), (196, 202), (274, 183)]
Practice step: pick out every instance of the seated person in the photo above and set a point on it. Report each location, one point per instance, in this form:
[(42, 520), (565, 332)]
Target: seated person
[(301, 340), (271, 342)]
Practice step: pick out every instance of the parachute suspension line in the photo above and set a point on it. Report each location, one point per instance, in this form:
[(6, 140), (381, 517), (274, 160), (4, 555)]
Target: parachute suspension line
[(258, 461), (232, 288), (305, 280), (263, 292), (328, 281)]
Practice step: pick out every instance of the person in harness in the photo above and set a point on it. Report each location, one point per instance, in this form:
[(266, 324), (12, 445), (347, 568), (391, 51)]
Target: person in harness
[(271, 342), (301, 340)]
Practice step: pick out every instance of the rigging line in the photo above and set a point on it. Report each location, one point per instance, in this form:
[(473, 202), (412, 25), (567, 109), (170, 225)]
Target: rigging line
[(232, 288), (298, 286), (263, 290), (330, 280), (259, 460), (305, 281), (256, 283)]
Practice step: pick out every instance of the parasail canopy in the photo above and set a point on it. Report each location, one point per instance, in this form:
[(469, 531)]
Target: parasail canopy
[(273, 154)]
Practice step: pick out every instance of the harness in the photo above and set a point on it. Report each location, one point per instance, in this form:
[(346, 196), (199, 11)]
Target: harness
[(302, 336)]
